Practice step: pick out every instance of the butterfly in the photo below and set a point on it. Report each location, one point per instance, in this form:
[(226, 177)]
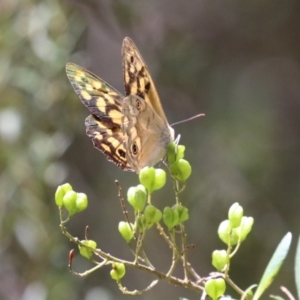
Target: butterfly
[(132, 131)]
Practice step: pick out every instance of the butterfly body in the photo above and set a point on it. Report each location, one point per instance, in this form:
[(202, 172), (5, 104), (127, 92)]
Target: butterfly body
[(131, 131)]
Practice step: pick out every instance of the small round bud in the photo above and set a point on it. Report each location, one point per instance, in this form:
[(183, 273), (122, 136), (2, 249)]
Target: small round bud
[(245, 227), (147, 177), (152, 179), (170, 217), (220, 259), (235, 215), (75, 202), (60, 192), (183, 213), (174, 153), (181, 170), (227, 234), (69, 202), (141, 223), (180, 152), (152, 214), (118, 271), (126, 230), (215, 288), (171, 154), (81, 202), (86, 252), (160, 179), (137, 197)]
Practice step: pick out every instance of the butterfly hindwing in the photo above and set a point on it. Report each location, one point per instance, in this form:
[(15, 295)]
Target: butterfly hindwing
[(105, 105), (146, 136), (109, 141)]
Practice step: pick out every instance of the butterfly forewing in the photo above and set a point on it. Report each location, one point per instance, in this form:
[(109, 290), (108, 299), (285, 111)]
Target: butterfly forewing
[(105, 105), (137, 78)]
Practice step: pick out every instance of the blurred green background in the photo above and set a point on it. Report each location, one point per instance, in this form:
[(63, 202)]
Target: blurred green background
[(235, 61)]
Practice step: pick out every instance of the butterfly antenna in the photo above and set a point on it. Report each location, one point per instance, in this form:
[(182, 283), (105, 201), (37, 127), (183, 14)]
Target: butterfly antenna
[(186, 120)]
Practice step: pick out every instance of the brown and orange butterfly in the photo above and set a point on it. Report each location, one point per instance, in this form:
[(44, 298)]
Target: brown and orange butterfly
[(132, 131)]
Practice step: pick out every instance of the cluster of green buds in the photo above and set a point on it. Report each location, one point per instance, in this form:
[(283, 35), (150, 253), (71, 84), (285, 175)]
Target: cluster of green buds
[(146, 214), (235, 229), (175, 215), (139, 197), (152, 179), (180, 168), (73, 202), (232, 232)]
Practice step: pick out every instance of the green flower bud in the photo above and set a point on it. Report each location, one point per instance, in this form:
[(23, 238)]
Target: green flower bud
[(160, 179), (142, 223), (220, 259), (147, 177), (75, 202), (226, 234), (180, 152), (175, 153), (137, 197), (235, 215), (170, 217), (152, 214), (60, 192), (69, 202), (181, 170), (152, 179), (171, 154), (183, 213), (215, 288), (244, 228), (86, 252), (118, 271), (126, 231), (81, 202)]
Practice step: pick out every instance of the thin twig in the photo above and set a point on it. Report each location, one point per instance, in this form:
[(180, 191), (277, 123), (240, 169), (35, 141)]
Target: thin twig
[(108, 258), (122, 203), (137, 292)]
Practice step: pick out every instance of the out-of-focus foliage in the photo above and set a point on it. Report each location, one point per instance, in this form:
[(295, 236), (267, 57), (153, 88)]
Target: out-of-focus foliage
[(36, 128), (238, 62)]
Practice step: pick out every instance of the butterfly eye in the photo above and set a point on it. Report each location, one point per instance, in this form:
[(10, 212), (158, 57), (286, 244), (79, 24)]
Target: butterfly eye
[(134, 148), (138, 104)]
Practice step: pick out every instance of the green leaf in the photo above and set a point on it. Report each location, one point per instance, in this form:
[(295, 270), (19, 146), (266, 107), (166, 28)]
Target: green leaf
[(297, 268), (276, 297), (248, 294), (274, 265)]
